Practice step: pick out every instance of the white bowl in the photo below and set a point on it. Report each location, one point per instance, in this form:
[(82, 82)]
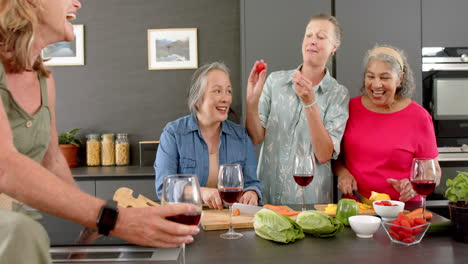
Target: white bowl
[(389, 212), (364, 225)]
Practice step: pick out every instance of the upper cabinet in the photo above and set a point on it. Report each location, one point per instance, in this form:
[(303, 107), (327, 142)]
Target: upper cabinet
[(273, 30), (369, 22), (444, 23)]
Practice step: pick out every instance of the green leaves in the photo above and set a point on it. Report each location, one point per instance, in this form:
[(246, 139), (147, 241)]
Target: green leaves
[(70, 138), (457, 188), (271, 225), (319, 224)]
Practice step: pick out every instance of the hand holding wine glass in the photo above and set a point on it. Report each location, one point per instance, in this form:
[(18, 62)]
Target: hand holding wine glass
[(230, 187), (303, 173), (183, 188), (423, 178)]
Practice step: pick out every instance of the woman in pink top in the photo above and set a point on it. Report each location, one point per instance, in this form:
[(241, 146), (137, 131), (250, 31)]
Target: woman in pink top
[(386, 129)]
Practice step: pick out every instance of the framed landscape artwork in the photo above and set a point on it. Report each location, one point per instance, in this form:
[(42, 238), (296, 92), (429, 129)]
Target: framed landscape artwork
[(174, 48), (66, 53)]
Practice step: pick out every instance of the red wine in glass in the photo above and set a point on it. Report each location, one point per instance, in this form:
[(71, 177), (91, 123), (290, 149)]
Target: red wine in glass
[(303, 179), (230, 195), (186, 219), (423, 187)]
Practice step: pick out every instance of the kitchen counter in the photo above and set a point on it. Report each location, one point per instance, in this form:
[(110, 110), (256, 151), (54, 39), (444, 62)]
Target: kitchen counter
[(344, 248), (208, 247)]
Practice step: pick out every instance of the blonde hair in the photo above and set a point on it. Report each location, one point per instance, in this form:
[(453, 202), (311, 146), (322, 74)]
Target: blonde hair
[(18, 21)]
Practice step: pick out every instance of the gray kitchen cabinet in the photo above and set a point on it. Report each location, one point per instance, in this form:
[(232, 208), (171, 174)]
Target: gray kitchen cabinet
[(273, 30), (105, 187), (444, 23), (369, 22), (87, 185)]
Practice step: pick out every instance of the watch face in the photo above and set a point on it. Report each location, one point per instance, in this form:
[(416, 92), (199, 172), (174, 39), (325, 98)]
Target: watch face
[(109, 217)]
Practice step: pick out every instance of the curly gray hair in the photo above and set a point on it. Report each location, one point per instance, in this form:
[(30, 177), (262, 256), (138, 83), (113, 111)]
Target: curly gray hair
[(198, 84), (408, 87)]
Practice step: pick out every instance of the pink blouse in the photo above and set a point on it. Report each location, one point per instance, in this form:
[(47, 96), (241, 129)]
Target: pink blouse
[(378, 146)]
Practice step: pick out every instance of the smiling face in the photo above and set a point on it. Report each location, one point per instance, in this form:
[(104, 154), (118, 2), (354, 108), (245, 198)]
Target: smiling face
[(54, 19), (319, 42), (217, 98), (381, 83)]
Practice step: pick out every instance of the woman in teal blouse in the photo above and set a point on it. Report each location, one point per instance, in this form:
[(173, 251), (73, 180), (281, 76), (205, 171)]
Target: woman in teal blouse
[(299, 112)]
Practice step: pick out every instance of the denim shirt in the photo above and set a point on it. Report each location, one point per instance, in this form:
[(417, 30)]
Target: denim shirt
[(182, 150)]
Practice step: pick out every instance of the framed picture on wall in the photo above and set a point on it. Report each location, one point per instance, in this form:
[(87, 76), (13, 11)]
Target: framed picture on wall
[(66, 53), (172, 48)]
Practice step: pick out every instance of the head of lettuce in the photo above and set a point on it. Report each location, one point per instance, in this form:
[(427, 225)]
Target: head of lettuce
[(319, 224), (270, 225)]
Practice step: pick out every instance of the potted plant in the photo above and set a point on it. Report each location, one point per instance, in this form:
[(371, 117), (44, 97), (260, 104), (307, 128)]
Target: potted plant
[(69, 144), (457, 193)]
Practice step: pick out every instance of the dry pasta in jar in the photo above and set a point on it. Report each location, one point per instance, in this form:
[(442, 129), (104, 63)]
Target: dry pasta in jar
[(93, 150), (122, 150), (108, 150)]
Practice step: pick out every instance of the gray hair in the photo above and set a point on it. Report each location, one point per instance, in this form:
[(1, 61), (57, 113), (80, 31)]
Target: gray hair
[(408, 86), (338, 29), (198, 84)]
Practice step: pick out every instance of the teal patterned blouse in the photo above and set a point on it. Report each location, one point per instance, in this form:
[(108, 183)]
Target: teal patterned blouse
[(283, 116)]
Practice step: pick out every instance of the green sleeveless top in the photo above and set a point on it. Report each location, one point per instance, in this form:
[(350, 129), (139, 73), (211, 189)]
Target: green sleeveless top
[(31, 133)]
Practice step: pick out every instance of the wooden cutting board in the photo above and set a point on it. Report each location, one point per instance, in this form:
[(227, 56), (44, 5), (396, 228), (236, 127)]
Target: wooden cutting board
[(219, 219), (321, 207), (124, 197)]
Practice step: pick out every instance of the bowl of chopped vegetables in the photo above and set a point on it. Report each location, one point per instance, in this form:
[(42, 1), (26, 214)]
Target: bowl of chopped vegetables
[(388, 210), (405, 230)]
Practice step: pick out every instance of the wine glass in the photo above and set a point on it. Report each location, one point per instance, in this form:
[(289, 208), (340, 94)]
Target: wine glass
[(183, 188), (230, 187), (303, 173), (423, 178)]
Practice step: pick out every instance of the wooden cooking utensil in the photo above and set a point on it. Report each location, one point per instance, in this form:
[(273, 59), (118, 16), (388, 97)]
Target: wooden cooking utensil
[(124, 197)]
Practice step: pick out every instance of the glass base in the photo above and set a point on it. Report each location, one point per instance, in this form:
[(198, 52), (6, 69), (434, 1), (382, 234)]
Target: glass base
[(231, 235)]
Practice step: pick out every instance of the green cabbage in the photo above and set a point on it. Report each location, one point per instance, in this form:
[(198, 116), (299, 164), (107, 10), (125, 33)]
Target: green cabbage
[(271, 225), (319, 224)]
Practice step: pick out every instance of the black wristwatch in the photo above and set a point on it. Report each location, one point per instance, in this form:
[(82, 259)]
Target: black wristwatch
[(107, 217)]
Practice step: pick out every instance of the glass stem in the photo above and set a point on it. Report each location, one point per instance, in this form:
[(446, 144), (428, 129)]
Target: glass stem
[(423, 205), (303, 199), (183, 252), (231, 230)]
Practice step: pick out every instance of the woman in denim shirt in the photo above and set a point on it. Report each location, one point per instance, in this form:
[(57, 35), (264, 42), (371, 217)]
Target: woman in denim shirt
[(198, 143)]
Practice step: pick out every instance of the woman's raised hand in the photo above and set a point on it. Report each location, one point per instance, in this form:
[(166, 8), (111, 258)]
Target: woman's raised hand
[(256, 81)]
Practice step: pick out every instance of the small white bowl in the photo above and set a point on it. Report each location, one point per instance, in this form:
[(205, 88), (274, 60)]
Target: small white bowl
[(364, 225), (388, 212)]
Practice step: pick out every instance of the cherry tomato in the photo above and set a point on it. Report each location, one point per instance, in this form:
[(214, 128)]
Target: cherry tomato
[(395, 235), (409, 239), (260, 67), (417, 230)]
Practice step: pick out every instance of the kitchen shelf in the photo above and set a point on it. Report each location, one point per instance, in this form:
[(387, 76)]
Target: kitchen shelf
[(113, 171)]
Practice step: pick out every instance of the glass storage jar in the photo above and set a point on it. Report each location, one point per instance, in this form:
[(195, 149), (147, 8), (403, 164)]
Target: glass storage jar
[(122, 150), (108, 150), (93, 150)]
